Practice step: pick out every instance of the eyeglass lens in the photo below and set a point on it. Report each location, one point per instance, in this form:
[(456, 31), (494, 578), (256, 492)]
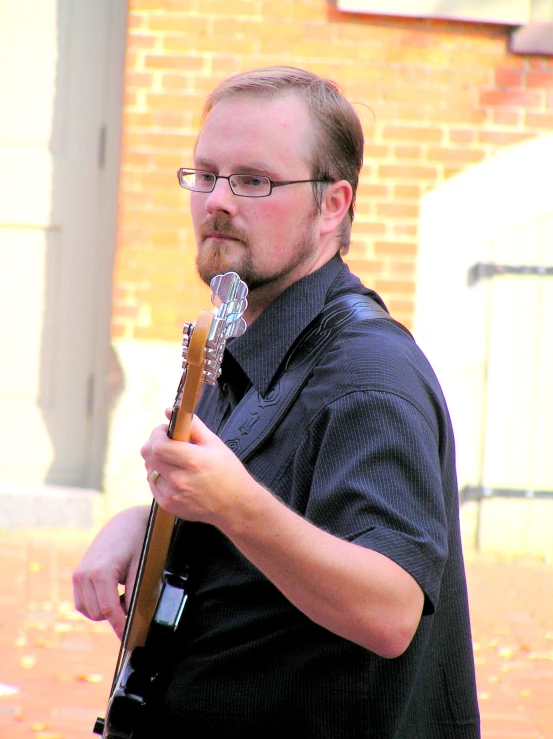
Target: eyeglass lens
[(241, 184)]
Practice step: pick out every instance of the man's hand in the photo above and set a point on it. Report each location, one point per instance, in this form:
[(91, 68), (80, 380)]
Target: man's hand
[(111, 560), (198, 481)]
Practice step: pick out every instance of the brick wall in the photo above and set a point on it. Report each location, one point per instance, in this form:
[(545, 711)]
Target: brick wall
[(435, 97)]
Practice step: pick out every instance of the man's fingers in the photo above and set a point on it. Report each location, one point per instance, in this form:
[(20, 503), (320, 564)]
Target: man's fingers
[(200, 433), (98, 598)]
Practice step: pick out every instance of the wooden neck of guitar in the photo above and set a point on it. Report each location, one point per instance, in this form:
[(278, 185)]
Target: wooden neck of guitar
[(161, 523)]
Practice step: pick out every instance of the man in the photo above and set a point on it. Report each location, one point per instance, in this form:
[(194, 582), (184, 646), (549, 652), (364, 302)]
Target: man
[(328, 596)]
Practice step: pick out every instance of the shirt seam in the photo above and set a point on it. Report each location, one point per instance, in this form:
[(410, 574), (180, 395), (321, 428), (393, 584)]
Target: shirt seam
[(358, 391)]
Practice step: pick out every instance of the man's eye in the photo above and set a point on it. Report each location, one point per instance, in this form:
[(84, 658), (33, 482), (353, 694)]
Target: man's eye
[(205, 177), (251, 181)]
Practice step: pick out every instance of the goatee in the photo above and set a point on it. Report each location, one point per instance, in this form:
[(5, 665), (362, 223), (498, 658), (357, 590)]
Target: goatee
[(214, 258)]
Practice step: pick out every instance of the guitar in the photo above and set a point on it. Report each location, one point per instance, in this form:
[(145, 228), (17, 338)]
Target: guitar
[(159, 595)]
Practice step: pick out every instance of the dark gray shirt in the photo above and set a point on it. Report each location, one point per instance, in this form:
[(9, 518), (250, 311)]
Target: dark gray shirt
[(367, 453)]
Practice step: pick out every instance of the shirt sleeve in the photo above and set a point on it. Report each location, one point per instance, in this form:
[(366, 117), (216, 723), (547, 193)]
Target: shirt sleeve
[(377, 482)]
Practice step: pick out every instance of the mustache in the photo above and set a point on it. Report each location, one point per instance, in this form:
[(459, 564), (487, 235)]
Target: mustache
[(222, 225)]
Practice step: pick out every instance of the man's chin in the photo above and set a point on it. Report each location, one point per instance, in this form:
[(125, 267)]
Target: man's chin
[(217, 264)]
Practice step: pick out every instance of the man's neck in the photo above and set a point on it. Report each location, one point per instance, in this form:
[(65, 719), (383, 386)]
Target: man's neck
[(261, 297)]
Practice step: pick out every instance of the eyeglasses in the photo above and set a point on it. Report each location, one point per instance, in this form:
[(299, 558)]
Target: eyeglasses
[(243, 185)]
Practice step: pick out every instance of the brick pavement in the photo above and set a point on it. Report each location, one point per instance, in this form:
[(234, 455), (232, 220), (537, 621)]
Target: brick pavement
[(59, 666)]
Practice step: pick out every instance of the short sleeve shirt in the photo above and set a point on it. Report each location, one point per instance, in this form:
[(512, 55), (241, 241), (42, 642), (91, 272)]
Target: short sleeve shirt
[(367, 453)]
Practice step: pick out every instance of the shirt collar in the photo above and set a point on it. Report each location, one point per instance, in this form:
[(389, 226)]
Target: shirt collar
[(260, 351)]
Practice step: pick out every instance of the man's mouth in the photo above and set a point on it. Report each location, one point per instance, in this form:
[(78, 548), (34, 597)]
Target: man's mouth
[(220, 236)]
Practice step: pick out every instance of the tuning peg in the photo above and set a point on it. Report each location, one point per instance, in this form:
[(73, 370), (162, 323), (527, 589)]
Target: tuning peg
[(236, 328), (227, 287)]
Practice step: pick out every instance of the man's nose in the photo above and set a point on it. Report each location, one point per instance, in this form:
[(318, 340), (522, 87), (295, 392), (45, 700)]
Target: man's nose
[(221, 197)]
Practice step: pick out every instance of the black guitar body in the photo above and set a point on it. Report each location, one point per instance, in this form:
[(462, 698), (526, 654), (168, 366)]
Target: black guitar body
[(139, 676), (127, 705)]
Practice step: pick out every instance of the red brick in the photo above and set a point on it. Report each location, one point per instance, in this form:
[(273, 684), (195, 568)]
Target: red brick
[(183, 43), (177, 23), (455, 78), (144, 160), (539, 79), (132, 119), (395, 248), (175, 81), (509, 78), (462, 136), (536, 62), (407, 172), (502, 138), (409, 230), (138, 80), (152, 140), (136, 200), (377, 151), (365, 266), (118, 329), (370, 228), (539, 120), (141, 41), (395, 286), (408, 192), (510, 98), (151, 181), (506, 117), (167, 200), (179, 120), (412, 153), (371, 190), (456, 115), (226, 64), (403, 268), (126, 311), (448, 154), (173, 61), (130, 99), (413, 133), (131, 58), (397, 210), (135, 20), (171, 161)]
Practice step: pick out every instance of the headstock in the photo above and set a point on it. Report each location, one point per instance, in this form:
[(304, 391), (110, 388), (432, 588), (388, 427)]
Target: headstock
[(204, 344), (229, 296)]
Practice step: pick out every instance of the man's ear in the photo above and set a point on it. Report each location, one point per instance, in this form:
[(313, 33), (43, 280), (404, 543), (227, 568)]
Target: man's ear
[(335, 205)]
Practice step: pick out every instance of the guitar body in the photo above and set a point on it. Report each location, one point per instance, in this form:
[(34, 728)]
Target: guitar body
[(159, 594)]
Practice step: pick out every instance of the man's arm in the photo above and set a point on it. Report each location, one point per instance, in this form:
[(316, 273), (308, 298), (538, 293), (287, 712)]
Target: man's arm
[(111, 560), (353, 591)]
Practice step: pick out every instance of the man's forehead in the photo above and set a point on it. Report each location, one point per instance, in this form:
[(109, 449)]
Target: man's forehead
[(257, 127)]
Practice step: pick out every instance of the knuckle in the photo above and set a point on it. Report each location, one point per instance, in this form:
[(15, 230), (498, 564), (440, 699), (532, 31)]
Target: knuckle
[(157, 446), (77, 578), (107, 610)]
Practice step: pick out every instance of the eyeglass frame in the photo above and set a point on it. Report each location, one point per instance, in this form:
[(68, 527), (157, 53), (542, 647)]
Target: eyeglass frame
[(272, 183)]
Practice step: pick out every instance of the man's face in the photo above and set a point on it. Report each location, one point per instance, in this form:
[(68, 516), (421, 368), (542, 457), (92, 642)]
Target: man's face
[(271, 241)]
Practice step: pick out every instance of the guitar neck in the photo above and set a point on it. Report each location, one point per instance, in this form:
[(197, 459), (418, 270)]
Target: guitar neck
[(153, 558), (161, 523)]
